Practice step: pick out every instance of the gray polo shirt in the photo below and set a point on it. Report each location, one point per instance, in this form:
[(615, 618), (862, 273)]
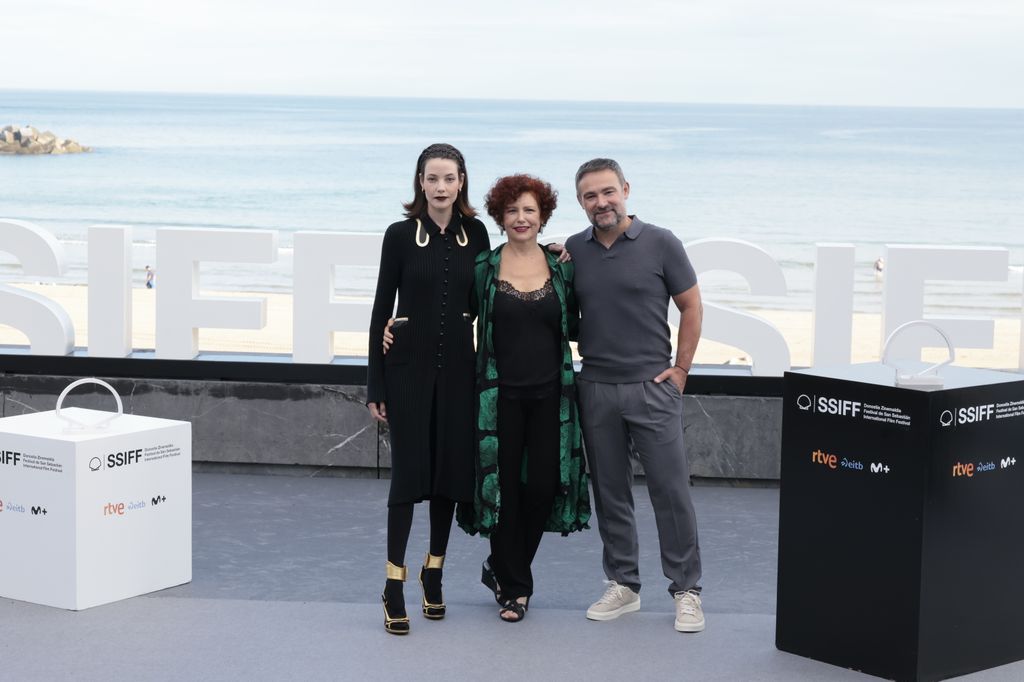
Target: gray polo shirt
[(623, 294)]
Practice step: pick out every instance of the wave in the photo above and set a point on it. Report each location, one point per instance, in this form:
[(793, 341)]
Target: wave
[(850, 133)]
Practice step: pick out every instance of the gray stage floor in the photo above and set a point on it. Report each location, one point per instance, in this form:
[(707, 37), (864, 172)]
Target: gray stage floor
[(287, 578)]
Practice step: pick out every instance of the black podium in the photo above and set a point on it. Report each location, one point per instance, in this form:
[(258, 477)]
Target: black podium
[(901, 521)]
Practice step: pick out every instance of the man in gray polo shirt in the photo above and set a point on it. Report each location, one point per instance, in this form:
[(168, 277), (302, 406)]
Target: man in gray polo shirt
[(630, 390)]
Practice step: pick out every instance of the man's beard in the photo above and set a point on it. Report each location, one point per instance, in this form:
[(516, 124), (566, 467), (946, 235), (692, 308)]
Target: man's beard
[(612, 212)]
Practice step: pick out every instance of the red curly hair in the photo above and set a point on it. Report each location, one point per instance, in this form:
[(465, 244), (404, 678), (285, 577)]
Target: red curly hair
[(508, 189)]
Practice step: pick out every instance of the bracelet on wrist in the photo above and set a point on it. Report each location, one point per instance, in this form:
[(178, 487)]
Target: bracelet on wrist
[(685, 369)]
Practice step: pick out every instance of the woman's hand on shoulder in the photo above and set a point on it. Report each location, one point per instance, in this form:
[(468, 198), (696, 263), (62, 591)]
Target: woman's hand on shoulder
[(378, 411), (563, 253), (389, 338)]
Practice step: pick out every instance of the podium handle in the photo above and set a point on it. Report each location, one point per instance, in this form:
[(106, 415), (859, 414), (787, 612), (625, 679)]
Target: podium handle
[(918, 323), (101, 424)]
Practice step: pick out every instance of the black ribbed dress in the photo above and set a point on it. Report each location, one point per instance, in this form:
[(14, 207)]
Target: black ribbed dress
[(427, 378)]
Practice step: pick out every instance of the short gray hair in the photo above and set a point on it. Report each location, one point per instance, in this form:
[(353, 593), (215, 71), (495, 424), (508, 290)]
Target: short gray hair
[(595, 165)]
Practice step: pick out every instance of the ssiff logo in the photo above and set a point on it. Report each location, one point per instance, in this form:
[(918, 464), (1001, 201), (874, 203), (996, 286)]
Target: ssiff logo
[(120, 459), (116, 459), (975, 413), (10, 457), (844, 408), (826, 405), (967, 415)]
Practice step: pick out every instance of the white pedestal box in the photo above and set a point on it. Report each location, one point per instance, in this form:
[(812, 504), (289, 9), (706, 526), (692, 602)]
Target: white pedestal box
[(94, 506)]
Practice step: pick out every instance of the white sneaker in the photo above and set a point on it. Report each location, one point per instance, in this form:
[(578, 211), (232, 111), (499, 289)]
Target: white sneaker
[(689, 614), (617, 600)]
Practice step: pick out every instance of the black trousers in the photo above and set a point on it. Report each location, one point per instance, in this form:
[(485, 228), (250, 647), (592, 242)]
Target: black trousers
[(528, 429)]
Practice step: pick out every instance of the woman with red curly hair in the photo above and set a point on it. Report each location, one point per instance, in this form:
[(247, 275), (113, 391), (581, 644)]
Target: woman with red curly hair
[(530, 474)]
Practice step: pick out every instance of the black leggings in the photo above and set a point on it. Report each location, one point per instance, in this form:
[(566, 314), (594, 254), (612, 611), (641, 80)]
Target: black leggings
[(524, 424), (400, 524)]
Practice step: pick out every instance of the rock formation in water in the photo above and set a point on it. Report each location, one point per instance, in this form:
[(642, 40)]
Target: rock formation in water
[(28, 140)]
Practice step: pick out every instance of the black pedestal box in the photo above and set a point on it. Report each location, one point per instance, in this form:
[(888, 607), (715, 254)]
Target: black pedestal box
[(901, 526)]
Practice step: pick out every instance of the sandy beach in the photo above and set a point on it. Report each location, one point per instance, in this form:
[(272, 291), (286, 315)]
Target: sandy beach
[(276, 337)]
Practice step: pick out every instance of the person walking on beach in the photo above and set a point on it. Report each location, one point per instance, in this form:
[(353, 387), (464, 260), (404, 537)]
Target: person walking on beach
[(630, 390), (530, 475), (424, 388)]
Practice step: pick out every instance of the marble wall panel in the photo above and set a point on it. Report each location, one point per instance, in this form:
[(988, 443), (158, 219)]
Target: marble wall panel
[(237, 422), (318, 426)]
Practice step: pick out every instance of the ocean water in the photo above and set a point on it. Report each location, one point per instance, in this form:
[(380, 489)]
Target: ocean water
[(782, 178)]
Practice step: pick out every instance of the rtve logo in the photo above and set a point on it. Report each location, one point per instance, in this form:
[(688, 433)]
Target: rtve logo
[(122, 508), (113, 509), (821, 457), (10, 457)]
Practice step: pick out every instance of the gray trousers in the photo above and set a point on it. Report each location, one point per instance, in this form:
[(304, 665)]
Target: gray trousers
[(650, 416)]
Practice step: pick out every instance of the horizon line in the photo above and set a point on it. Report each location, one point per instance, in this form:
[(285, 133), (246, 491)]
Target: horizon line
[(779, 105)]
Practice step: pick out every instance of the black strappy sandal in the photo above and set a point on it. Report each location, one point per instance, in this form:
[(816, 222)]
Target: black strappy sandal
[(490, 581), (513, 606)]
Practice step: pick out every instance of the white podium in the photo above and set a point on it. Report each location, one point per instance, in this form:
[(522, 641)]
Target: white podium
[(94, 506)]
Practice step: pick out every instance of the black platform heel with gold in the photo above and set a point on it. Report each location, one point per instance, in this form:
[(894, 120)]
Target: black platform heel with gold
[(395, 619), (490, 581), (430, 580)]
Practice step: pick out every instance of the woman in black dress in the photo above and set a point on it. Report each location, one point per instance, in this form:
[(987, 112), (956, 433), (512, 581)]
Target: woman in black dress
[(424, 389), (530, 472)]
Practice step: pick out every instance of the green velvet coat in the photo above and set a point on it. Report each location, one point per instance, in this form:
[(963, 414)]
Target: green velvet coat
[(571, 509)]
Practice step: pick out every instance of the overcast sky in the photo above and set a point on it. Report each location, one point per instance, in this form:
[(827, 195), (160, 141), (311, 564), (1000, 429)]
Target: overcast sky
[(966, 53)]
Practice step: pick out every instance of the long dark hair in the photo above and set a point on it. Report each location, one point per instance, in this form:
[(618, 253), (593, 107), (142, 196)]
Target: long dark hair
[(414, 208)]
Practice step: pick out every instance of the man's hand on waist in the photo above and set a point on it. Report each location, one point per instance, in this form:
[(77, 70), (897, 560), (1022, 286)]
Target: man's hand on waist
[(676, 374)]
